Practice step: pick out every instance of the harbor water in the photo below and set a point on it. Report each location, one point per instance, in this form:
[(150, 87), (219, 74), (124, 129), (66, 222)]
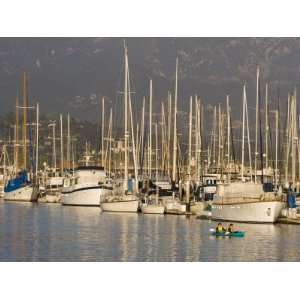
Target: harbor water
[(51, 232)]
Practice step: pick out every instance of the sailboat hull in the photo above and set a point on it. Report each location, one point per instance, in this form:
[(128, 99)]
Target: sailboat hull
[(153, 209), (25, 194), (173, 206), (255, 212), (121, 204), (53, 197)]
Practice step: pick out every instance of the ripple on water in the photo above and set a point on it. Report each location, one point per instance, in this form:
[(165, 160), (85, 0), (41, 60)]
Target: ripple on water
[(50, 232)]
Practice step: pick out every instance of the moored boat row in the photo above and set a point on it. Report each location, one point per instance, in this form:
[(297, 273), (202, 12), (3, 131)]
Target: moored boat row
[(206, 177)]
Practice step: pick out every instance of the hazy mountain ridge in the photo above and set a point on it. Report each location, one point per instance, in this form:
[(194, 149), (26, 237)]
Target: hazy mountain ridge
[(70, 74)]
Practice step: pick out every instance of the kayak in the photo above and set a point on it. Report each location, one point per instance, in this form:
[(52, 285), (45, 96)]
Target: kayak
[(230, 234)]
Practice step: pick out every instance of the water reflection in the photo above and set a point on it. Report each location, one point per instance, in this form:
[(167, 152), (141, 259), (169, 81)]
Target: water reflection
[(50, 232)]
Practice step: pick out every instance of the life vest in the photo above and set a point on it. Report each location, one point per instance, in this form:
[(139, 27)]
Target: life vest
[(219, 228)]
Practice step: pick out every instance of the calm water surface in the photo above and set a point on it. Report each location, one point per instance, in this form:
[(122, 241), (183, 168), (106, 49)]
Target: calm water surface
[(51, 232)]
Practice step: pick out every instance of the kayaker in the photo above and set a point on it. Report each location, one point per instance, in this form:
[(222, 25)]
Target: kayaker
[(220, 228), (230, 228)]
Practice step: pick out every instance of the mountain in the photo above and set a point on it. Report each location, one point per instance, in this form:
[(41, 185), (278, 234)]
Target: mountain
[(72, 74)]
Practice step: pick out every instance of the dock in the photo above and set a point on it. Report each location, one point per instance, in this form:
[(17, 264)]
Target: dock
[(292, 221)]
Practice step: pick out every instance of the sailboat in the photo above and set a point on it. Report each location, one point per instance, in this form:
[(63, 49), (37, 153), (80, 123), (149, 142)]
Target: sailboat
[(20, 187), (124, 198), (171, 201), (52, 182), (154, 205), (246, 201)]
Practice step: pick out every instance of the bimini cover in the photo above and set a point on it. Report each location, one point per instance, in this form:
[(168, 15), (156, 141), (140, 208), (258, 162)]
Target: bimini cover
[(17, 182)]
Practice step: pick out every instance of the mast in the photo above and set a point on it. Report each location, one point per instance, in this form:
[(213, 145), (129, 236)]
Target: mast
[(163, 137), (219, 135), (137, 148), (288, 137), (24, 127), (68, 143), (133, 143), (102, 134), (276, 149), (169, 131), (200, 130), (214, 135), (150, 130), (228, 138), (17, 136), (156, 162), (243, 133), (196, 137), (190, 149), (294, 137), (73, 162), (256, 125), (53, 125), (37, 143), (125, 118), (297, 125), (190, 137), (175, 127), (266, 125), (248, 134), (110, 140), (142, 136), (61, 146), (261, 144)]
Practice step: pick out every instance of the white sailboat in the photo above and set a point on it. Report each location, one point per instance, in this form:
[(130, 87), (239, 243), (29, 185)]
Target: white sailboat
[(244, 201), (153, 207), (21, 187), (171, 202), (125, 200)]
